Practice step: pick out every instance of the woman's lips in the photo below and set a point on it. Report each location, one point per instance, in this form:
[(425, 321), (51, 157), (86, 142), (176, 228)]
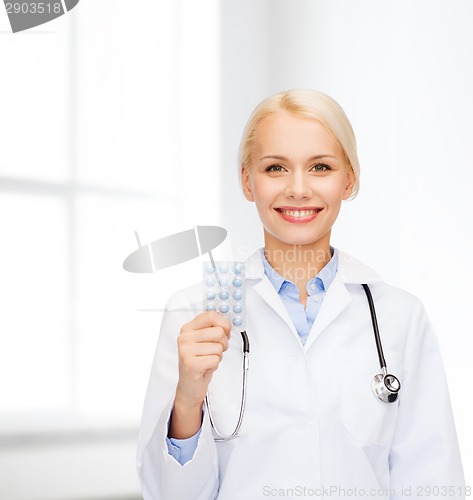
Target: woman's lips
[(298, 214)]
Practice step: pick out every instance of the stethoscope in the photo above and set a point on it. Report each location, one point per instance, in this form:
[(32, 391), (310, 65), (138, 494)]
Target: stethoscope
[(385, 386), (217, 435)]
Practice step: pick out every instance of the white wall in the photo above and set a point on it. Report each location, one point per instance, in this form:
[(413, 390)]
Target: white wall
[(402, 71)]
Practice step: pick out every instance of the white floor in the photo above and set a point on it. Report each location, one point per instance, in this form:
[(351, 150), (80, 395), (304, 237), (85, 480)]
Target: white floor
[(80, 466)]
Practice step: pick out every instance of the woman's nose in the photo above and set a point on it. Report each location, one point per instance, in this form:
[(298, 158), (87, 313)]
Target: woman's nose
[(298, 186)]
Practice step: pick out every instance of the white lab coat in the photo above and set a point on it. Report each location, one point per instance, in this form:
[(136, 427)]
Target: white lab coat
[(312, 425)]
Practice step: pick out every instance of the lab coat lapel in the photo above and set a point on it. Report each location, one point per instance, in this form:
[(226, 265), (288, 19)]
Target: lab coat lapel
[(260, 284), (338, 297), (266, 291), (336, 300)]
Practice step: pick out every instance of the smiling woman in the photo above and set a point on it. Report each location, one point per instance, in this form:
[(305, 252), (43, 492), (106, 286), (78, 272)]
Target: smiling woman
[(315, 416), (290, 155)]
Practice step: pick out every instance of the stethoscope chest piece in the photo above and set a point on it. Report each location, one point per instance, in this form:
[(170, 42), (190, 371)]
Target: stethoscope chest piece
[(386, 387)]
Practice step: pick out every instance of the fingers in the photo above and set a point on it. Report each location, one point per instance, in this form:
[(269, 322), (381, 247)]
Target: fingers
[(206, 327), (209, 319), (201, 345), (195, 374), (208, 363), (214, 335), (198, 358), (208, 349)]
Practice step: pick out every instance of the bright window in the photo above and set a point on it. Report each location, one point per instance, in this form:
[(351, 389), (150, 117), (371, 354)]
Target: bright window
[(110, 121)]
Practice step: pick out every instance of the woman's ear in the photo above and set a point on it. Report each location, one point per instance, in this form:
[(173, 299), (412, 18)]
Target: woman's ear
[(246, 185), (350, 183)]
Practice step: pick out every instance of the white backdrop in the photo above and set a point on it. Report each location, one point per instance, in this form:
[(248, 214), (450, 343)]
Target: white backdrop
[(126, 116)]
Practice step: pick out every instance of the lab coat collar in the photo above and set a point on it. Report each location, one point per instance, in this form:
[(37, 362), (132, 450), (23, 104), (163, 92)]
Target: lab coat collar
[(350, 270), (336, 300)]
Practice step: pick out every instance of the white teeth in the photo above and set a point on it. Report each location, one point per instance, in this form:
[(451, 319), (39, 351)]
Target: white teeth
[(299, 213)]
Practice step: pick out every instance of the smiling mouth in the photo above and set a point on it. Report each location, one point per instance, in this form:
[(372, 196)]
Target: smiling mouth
[(298, 213)]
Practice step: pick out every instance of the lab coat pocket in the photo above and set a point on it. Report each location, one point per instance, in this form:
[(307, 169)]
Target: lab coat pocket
[(368, 419)]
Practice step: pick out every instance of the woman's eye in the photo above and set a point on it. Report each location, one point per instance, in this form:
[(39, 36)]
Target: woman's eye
[(320, 167), (274, 168)]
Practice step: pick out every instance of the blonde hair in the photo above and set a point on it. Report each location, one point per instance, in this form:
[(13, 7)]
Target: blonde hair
[(307, 104)]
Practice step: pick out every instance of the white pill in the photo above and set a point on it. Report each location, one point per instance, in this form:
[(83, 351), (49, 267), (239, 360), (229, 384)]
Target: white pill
[(223, 268), (238, 268), (237, 321), (224, 308)]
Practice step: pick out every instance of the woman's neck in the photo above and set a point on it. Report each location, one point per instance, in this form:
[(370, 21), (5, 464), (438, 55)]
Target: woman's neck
[(297, 263)]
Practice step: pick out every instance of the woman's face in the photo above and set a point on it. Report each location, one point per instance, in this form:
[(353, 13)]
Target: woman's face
[(298, 178)]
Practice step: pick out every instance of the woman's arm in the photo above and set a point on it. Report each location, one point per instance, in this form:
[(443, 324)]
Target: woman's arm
[(425, 459), (162, 477)]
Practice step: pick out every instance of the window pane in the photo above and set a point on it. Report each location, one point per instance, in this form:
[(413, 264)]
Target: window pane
[(34, 303), (35, 102)]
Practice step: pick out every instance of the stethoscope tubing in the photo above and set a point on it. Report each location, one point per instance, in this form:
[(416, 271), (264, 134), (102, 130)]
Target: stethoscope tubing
[(374, 321), (246, 363)]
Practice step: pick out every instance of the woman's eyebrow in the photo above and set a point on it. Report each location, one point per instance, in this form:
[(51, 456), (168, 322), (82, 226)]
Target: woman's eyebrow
[(283, 158)]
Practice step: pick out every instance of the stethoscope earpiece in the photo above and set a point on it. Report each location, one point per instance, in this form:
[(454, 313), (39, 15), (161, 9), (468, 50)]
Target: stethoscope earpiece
[(386, 387)]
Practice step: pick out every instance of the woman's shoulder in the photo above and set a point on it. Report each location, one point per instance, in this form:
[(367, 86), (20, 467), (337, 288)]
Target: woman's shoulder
[(353, 271)]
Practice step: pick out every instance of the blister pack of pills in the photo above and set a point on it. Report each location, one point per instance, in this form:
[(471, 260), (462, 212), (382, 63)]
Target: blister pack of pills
[(224, 291)]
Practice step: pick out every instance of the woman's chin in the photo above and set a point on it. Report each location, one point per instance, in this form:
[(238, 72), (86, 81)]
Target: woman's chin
[(295, 238)]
